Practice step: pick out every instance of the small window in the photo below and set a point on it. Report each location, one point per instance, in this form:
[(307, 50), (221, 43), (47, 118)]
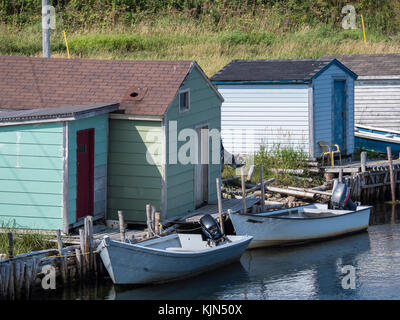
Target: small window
[(184, 101), (82, 148)]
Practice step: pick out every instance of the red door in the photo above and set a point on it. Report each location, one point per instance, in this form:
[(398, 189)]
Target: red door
[(84, 173)]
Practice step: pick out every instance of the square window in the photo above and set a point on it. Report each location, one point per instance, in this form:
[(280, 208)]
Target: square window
[(184, 101), (82, 148)]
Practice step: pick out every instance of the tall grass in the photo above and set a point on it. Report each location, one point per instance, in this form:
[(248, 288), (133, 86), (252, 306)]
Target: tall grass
[(23, 242)]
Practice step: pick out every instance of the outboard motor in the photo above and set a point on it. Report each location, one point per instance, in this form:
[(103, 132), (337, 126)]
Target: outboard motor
[(341, 198), (212, 230)]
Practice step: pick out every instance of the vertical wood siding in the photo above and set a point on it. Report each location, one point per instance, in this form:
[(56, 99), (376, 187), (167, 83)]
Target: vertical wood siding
[(132, 181), (377, 103), (100, 125), (204, 109), (31, 176), (264, 114), (323, 104)]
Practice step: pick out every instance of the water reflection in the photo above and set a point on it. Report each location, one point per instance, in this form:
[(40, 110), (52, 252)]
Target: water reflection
[(312, 271)]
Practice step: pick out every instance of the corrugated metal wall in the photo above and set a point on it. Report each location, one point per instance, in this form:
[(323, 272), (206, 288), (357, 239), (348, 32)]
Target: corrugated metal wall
[(252, 115), (377, 103)]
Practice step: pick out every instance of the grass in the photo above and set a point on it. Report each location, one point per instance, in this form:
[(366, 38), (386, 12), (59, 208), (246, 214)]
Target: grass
[(24, 242), (279, 157), (178, 37)]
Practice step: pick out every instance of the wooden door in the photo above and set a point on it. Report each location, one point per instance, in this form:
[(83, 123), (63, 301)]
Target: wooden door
[(339, 114), (84, 173)]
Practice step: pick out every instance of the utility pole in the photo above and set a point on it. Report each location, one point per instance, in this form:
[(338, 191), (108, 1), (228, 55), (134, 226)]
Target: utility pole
[(46, 28)]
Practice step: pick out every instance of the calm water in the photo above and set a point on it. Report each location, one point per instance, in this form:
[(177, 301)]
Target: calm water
[(310, 271)]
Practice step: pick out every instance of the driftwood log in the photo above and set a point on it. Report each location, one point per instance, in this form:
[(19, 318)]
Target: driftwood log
[(295, 193)]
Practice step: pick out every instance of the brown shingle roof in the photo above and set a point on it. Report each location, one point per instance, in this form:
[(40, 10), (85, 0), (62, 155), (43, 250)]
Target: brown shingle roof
[(371, 65), (30, 82)]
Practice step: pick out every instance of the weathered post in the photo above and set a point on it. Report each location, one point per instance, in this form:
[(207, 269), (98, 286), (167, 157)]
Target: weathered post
[(157, 223), (341, 175), (148, 216), (244, 206), (221, 220), (262, 187), (63, 262), (363, 161), (121, 225), (392, 185), (83, 252)]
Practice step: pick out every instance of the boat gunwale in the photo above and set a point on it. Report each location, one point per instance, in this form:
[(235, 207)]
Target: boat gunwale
[(163, 252), (272, 216)]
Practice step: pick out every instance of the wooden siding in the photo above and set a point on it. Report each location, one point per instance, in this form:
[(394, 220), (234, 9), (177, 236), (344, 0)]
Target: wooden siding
[(100, 125), (323, 104), (132, 181), (264, 114), (31, 176), (377, 103), (204, 110)]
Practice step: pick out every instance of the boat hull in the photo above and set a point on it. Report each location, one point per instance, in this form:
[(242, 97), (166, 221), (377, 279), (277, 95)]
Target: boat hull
[(134, 264), (274, 231), (376, 139)]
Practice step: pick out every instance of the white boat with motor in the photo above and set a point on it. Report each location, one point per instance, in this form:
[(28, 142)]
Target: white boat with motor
[(305, 223), (172, 257)]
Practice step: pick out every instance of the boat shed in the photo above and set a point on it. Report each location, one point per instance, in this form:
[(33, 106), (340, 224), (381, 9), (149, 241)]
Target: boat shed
[(294, 103), (53, 166), (161, 104), (377, 89)]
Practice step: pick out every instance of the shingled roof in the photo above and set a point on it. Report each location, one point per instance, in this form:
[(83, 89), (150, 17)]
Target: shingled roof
[(290, 70), (141, 87), (372, 65)]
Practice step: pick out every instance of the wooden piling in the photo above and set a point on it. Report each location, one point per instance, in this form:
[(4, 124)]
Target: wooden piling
[(83, 252), (262, 187), (221, 220), (78, 256), (148, 216), (121, 225), (392, 185), (363, 161), (244, 206), (157, 223), (341, 175), (63, 261)]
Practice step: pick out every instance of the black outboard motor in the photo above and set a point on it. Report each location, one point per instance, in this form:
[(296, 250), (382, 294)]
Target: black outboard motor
[(211, 230), (341, 198)]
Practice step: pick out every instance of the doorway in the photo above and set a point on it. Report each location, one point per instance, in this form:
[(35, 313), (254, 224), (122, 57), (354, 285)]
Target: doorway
[(201, 167), (339, 114), (84, 173)]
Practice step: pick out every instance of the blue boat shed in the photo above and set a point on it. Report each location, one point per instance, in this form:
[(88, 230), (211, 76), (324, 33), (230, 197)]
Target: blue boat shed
[(294, 103)]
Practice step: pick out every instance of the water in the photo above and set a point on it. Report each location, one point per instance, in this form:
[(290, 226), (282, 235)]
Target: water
[(312, 271)]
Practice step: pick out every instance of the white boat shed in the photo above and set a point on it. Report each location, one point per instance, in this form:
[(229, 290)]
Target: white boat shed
[(293, 103), (377, 89)]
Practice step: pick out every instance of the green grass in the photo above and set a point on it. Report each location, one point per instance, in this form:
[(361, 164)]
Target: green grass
[(239, 33), (23, 242), (279, 157)]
